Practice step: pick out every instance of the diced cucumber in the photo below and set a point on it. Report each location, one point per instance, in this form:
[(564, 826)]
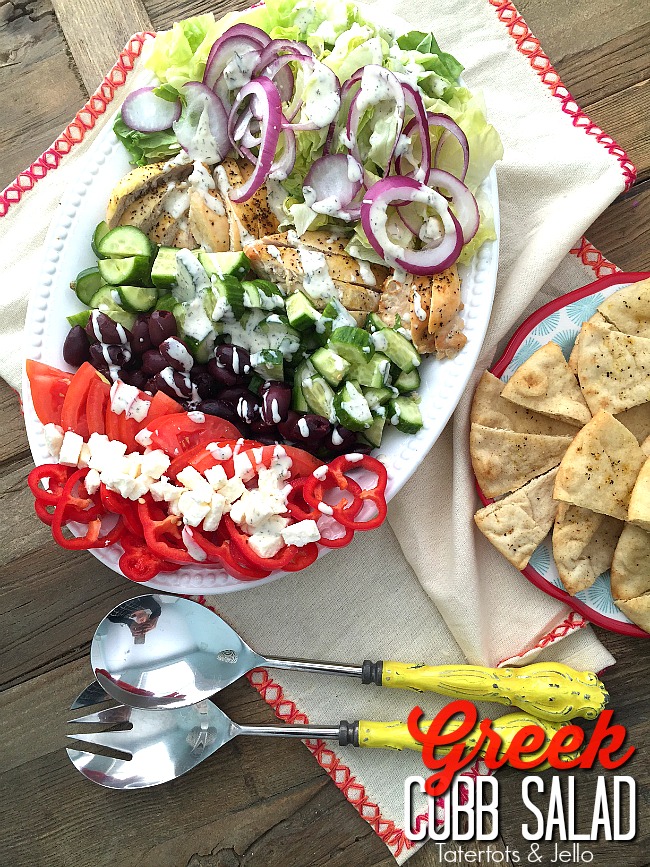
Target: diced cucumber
[(80, 318), (400, 351), (137, 299), (256, 382), (301, 312), (407, 382), (304, 370), (107, 301), (201, 349), (251, 294), (88, 282), (377, 396), (280, 335), (269, 363), (166, 302), (334, 316), (192, 320), (375, 323), (330, 365), (163, 271), (352, 408), (130, 271), (100, 230), (374, 373), (352, 343), (191, 278), (374, 433), (224, 264), (404, 414), (319, 396), (125, 242), (231, 291)]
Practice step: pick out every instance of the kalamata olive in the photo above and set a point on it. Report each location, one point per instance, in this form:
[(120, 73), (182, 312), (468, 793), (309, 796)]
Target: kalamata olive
[(134, 363), (135, 377), (232, 395), (248, 407), (221, 409), (307, 429), (153, 362), (340, 440), (233, 358), (140, 340), (205, 384), (266, 439), (260, 428), (174, 383), (276, 401), (161, 326), (101, 327), (107, 355), (76, 348), (176, 354), (221, 375)]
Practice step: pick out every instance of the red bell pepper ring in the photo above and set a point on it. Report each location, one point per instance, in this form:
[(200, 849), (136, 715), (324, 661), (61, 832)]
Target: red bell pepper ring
[(140, 566), (118, 505), (162, 533), (298, 509), (42, 512), (80, 509), (64, 513), (220, 550), (335, 478), (289, 558)]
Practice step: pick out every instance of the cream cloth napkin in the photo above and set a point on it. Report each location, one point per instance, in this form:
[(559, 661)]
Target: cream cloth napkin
[(449, 596)]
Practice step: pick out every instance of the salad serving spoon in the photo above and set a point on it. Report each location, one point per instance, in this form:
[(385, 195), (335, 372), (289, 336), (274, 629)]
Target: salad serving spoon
[(162, 746), (161, 651)]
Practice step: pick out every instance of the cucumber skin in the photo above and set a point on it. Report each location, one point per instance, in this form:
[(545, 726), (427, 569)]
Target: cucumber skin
[(136, 243)]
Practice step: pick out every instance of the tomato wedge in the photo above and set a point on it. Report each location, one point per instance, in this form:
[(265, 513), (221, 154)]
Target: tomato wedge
[(302, 463), (49, 387), (176, 434), (99, 395), (161, 404), (201, 459)]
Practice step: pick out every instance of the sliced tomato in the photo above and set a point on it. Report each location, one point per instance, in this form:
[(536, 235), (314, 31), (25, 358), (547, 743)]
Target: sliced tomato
[(176, 434), (112, 423), (49, 386), (161, 404), (99, 395), (73, 411), (302, 463), (201, 459)]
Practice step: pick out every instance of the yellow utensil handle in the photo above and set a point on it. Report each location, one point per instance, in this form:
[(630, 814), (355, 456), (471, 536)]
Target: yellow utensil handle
[(396, 736), (548, 690)]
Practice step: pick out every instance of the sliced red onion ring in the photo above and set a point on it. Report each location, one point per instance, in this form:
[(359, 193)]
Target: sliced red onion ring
[(450, 127), (278, 70), (242, 44), (332, 183), (462, 200), (413, 101), (281, 168), (374, 215), (143, 111), (327, 91), (266, 106), (202, 129)]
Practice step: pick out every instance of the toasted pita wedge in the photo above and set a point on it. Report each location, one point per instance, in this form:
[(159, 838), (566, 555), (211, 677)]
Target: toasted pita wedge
[(583, 545), (629, 309), (645, 447), (504, 461), (600, 467), (638, 511), (596, 319), (518, 523), (613, 369), (491, 410), (545, 384), (631, 564), (637, 420), (638, 610)]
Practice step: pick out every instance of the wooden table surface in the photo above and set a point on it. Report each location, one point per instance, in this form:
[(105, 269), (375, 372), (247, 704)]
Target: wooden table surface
[(263, 803)]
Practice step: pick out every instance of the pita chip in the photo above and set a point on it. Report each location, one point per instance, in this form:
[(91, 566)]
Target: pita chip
[(613, 369), (631, 564), (597, 319), (504, 461), (491, 410), (639, 509), (645, 447), (518, 523), (600, 467), (637, 420), (638, 610), (545, 384), (583, 545), (629, 309)]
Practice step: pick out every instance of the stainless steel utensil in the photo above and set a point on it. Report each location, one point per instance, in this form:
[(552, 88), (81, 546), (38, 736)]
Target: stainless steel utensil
[(164, 745), (158, 651)]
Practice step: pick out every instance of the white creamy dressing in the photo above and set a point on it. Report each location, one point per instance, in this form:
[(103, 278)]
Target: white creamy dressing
[(273, 251), (322, 100), (337, 440), (202, 181), (224, 188), (317, 281), (420, 313), (325, 509), (196, 323), (196, 417), (218, 452), (356, 405), (195, 551), (203, 146), (178, 352), (176, 200), (365, 272), (237, 72), (376, 86), (303, 428), (431, 233), (379, 340)]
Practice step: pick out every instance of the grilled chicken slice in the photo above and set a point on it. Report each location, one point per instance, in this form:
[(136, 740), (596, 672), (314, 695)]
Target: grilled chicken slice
[(139, 183), (208, 221), (429, 307), (165, 230), (144, 212), (184, 237), (251, 219)]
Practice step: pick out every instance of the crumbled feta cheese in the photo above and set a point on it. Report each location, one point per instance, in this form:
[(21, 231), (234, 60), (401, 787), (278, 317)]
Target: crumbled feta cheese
[(53, 438), (70, 449), (84, 457), (192, 508), (91, 482), (266, 541), (301, 533), (213, 518), (104, 453), (155, 463), (143, 437), (243, 467), (164, 491), (232, 490), (216, 476)]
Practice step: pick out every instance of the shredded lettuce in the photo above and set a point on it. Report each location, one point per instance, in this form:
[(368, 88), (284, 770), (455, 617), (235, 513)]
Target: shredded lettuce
[(146, 147)]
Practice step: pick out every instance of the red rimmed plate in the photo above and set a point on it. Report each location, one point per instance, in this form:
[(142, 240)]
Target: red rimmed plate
[(560, 321)]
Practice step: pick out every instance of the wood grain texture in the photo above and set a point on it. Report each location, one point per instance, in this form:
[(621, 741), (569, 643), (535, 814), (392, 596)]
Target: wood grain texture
[(96, 32), (261, 802)]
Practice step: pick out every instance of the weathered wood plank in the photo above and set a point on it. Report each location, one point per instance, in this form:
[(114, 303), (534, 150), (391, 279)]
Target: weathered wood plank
[(13, 438), (40, 90), (96, 32), (622, 231), (163, 13)]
